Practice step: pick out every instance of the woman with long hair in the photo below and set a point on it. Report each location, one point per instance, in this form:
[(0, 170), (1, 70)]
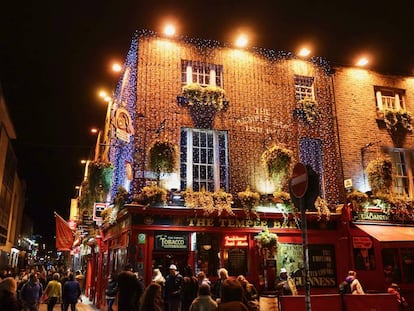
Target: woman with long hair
[(151, 300)]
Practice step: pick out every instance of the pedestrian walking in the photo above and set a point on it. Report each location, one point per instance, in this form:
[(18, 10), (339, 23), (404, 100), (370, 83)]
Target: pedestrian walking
[(129, 290), (189, 290), (31, 293), (231, 296), (203, 302), (216, 293), (151, 299), (355, 285), (173, 286), (53, 292), (8, 298), (111, 291), (71, 293), (157, 277)]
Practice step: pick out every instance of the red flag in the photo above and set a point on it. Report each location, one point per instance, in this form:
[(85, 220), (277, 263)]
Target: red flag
[(64, 236)]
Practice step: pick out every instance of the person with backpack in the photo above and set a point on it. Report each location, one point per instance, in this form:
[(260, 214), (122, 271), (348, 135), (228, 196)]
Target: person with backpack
[(351, 285), (31, 293)]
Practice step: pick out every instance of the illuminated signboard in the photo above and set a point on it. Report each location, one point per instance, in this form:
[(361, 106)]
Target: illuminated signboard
[(235, 240)]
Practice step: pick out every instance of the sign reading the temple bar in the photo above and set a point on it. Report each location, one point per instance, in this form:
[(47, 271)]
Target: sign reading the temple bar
[(172, 241)]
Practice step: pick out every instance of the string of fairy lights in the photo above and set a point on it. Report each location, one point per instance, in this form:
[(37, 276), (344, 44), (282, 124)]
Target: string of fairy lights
[(271, 91)]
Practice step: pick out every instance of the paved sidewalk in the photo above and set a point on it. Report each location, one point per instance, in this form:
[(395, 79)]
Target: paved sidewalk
[(85, 305)]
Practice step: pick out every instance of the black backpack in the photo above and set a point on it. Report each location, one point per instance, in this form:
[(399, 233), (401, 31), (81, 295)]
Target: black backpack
[(344, 288)]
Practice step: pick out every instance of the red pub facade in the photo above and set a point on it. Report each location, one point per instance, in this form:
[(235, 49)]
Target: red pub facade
[(222, 108)]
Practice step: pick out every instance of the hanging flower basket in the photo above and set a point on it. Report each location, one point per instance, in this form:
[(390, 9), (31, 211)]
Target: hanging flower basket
[(162, 157), (379, 174), (266, 241), (397, 120), (153, 195), (203, 103), (278, 161), (307, 110)]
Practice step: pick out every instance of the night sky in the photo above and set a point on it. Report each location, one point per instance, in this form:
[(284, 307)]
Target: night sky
[(55, 55)]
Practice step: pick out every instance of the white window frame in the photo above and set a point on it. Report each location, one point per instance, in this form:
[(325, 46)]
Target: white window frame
[(402, 171), (216, 159), (304, 87), (389, 98), (201, 73)]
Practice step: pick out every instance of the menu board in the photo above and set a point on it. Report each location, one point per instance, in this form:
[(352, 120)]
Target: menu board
[(237, 261)]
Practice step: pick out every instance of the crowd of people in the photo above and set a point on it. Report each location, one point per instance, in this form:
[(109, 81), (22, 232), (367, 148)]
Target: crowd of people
[(27, 289), (180, 292)]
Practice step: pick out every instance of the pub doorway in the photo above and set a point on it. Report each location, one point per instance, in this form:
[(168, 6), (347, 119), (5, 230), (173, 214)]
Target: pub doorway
[(163, 260)]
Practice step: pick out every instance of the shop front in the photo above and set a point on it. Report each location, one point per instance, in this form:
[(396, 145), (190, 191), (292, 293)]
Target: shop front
[(157, 237)]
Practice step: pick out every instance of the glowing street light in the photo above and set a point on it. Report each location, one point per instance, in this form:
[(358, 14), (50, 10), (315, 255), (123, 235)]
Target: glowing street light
[(169, 30), (116, 67), (242, 41), (304, 52), (362, 62)]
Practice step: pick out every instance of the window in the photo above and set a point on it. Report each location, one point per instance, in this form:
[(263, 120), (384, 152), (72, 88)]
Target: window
[(310, 153), (389, 98), (203, 160), (402, 170), (303, 87), (398, 265), (201, 73)]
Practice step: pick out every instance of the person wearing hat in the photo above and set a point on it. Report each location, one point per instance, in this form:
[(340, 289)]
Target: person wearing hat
[(395, 290), (285, 285), (173, 285)]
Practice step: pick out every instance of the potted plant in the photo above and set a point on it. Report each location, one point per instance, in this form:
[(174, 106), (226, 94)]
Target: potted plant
[(322, 208), (210, 95), (379, 172), (249, 200), (397, 120), (307, 109), (266, 240), (162, 157), (210, 202), (203, 102), (358, 199), (277, 161), (153, 194)]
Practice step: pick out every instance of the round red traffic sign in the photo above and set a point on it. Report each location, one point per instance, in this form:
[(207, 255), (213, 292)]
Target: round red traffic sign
[(299, 180)]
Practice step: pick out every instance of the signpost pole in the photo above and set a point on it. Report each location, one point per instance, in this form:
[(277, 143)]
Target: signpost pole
[(299, 189), (305, 254)]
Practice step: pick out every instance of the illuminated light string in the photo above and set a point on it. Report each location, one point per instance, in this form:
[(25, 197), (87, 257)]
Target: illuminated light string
[(133, 152)]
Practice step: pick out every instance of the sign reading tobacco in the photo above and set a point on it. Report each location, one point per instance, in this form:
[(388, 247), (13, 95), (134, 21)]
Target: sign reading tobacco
[(173, 241)]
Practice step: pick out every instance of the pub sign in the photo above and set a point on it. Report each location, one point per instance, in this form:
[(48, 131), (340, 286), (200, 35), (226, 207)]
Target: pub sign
[(174, 241)]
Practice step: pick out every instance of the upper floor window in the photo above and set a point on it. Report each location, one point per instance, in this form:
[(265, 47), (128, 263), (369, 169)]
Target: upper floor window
[(201, 73), (304, 87), (389, 98), (402, 170), (203, 160)]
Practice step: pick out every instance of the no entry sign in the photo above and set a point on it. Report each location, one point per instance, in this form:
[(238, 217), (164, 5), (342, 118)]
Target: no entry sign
[(299, 180)]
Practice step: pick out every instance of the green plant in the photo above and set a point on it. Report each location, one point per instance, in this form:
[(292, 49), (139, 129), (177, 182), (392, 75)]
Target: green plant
[(309, 107), (153, 194), (100, 176), (120, 197), (322, 208), (162, 157), (266, 239), (397, 119), (278, 161), (358, 199), (210, 202), (204, 95), (248, 199), (379, 172)]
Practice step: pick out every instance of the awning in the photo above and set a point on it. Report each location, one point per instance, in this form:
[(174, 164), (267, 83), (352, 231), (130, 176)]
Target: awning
[(389, 233)]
